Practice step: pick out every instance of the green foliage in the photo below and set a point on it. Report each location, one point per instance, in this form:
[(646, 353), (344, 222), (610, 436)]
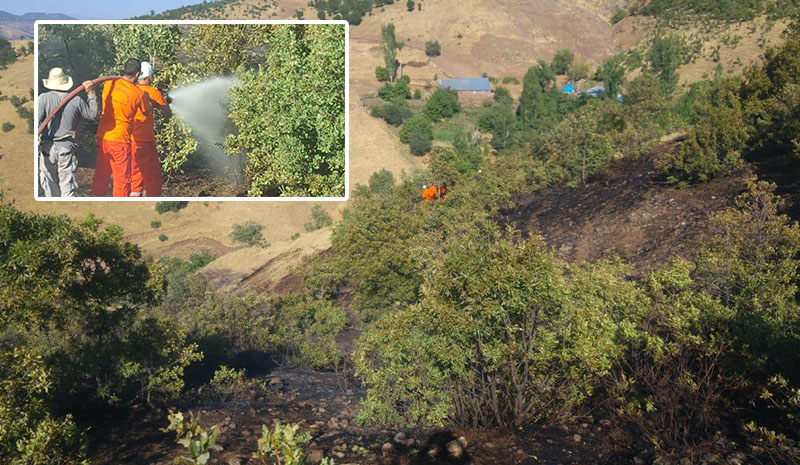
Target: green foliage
[(540, 104), (772, 101), (612, 73), (376, 250), (490, 341), (7, 54), (284, 443), (163, 237), (510, 80), (295, 147), (562, 61), (410, 5), (389, 47), (397, 92), (52, 442), (432, 48), (207, 9), (382, 183), (442, 104), (154, 43), (417, 132), (304, 331), (724, 10), (248, 234), (394, 112), (578, 145), (499, 120), (220, 49), (155, 224), (718, 139), (230, 385), (664, 57), (170, 206), (618, 16), (319, 219), (7, 126), (381, 74), (197, 440)]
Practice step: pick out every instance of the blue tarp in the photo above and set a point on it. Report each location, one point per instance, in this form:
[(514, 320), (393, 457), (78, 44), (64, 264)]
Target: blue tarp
[(569, 88), (468, 84)]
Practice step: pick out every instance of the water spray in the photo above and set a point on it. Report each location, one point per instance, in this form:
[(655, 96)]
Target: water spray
[(69, 97)]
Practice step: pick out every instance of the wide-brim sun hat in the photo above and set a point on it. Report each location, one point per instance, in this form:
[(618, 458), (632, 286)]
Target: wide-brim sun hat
[(146, 70), (58, 80)]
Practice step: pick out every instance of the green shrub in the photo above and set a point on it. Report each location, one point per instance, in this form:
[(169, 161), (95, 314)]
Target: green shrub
[(417, 94), (170, 206), (381, 74), (284, 444), (197, 440), (155, 224), (488, 343), (393, 113), (7, 126), (248, 234), (382, 182), (419, 131), (442, 104), (618, 16), (52, 442), (510, 80), (163, 237), (718, 139), (229, 385), (432, 48), (319, 219), (410, 5), (397, 92), (562, 61)]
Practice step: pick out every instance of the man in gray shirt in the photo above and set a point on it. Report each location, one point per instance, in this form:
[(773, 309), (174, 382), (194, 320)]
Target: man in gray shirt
[(58, 144)]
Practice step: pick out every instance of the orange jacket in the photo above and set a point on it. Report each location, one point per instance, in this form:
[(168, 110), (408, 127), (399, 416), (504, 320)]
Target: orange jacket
[(121, 101), (143, 124), (429, 193)]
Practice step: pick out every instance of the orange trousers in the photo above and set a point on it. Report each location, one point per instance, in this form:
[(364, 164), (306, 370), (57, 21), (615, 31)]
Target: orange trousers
[(145, 169), (113, 161)]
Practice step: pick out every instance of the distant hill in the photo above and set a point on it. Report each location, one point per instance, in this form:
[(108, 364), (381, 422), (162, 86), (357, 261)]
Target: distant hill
[(21, 27)]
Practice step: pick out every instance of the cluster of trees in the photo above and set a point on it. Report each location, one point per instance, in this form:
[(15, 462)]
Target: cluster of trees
[(352, 11), (7, 54), (294, 144), (726, 10)]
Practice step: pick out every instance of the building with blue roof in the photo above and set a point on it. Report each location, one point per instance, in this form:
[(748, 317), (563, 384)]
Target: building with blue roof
[(466, 84)]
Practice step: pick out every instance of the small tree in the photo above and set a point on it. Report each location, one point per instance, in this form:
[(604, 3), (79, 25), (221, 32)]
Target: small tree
[(319, 219), (410, 5), (7, 126), (442, 104), (664, 58), (381, 74), (432, 48), (418, 133), (390, 46), (248, 234), (562, 61), (612, 73)]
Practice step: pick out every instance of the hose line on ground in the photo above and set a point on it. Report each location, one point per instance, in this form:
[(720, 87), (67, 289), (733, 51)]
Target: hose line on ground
[(69, 97)]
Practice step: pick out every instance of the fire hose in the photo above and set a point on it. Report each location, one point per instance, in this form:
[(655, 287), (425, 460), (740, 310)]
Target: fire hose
[(69, 97)]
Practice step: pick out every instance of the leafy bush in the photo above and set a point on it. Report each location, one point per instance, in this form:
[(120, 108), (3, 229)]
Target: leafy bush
[(295, 147), (170, 206), (155, 224), (284, 443), (248, 234), (562, 61), (193, 437), (393, 112), (618, 16), (718, 139), (490, 340), (442, 104), (664, 57), (500, 122), (7, 126), (53, 441), (397, 92), (381, 74), (418, 133), (319, 219), (382, 182), (163, 237), (510, 80), (229, 385), (432, 48)]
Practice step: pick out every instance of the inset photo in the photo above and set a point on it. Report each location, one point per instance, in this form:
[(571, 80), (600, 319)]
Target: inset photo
[(224, 110)]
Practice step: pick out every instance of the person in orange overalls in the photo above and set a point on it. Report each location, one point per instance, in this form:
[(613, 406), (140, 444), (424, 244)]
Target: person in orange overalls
[(442, 191), (429, 193), (145, 165), (121, 100)]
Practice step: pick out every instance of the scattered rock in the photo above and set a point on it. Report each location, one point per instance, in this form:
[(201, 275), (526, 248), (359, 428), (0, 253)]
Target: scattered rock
[(234, 461), (276, 381), (400, 438), (605, 422), (489, 445), (315, 456), (387, 449), (576, 437)]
